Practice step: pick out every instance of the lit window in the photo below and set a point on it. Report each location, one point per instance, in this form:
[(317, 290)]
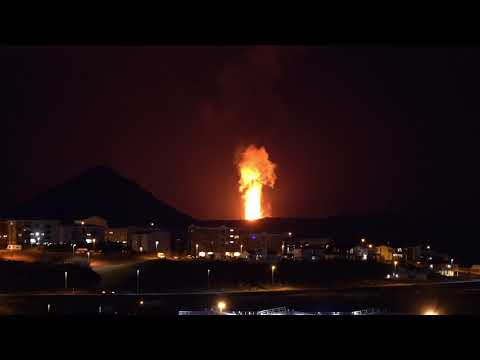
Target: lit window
[(201, 254), (231, 230), (364, 257), (236, 254), (209, 253)]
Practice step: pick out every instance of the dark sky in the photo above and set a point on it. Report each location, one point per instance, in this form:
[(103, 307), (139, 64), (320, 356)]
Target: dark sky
[(352, 129)]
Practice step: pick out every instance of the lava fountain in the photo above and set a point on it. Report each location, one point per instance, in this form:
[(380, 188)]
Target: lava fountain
[(255, 170)]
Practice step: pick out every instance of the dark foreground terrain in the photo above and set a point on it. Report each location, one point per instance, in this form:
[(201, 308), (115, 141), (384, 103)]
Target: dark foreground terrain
[(458, 299)]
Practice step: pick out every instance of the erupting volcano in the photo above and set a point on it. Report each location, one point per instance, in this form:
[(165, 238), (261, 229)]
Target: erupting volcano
[(255, 170)]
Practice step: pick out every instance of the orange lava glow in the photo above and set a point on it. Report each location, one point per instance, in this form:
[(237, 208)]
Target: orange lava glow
[(256, 170)]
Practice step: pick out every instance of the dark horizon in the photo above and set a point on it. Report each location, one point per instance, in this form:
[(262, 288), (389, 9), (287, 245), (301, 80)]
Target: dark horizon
[(352, 130)]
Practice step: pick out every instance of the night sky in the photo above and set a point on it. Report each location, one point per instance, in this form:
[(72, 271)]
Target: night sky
[(353, 130)]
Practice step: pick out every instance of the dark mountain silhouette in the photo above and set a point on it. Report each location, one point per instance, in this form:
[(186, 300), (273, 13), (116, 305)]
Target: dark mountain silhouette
[(101, 191)]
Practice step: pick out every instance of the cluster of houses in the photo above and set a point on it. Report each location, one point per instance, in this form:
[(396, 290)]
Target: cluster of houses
[(220, 242), (89, 233)]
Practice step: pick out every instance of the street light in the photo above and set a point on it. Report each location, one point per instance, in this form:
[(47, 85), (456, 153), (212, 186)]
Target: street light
[(363, 240), (395, 266), (66, 279), (73, 249), (241, 248), (208, 278), (221, 306), (273, 271), (156, 246), (196, 250), (451, 261), (88, 254), (283, 247), (138, 281), (430, 312), (94, 241)]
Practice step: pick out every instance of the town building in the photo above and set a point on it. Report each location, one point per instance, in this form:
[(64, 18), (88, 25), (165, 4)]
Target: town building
[(89, 232), (149, 241), (28, 232), (226, 242), (385, 253), (118, 235)]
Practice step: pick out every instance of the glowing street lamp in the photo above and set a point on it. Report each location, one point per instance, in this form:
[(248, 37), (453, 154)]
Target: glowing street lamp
[(138, 281), (196, 250), (363, 240), (73, 249), (430, 312), (88, 254), (156, 245), (94, 241), (66, 279), (273, 271), (208, 278), (283, 247), (221, 306), (395, 266), (241, 248)]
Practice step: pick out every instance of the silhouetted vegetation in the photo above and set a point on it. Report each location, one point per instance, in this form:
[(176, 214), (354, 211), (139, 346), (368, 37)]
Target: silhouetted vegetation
[(15, 276)]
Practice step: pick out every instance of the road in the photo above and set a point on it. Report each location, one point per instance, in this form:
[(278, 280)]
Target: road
[(236, 291)]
